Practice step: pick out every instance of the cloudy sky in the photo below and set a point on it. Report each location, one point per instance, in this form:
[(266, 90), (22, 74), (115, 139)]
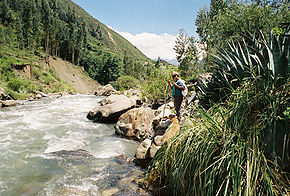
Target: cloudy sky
[(150, 25)]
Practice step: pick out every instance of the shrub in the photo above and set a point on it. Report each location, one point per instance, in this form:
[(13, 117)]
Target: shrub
[(15, 84), (36, 73), (246, 60), (227, 151), (156, 89), (126, 82)]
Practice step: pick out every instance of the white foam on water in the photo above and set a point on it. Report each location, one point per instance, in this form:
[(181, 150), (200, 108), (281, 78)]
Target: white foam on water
[(32, 131), (106, 155), (71, 141)]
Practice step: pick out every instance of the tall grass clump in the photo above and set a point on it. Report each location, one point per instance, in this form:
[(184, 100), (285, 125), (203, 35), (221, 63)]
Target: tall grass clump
[(240, 146)]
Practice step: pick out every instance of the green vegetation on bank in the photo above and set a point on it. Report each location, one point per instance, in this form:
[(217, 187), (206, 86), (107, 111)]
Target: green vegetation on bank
[(238, 142), (22, 74), (240, 146)]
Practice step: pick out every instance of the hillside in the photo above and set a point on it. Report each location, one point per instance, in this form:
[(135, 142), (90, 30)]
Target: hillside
[(110, 39), (60, 28), (23, 74), (74, 76)]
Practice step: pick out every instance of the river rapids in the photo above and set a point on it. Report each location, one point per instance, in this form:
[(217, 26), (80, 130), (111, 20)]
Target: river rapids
[(49, 147)]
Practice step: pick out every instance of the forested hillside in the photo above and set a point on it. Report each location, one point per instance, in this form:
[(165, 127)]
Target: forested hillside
[(63, 29)]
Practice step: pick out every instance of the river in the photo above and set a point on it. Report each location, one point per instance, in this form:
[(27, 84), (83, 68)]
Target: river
[(49, 147)]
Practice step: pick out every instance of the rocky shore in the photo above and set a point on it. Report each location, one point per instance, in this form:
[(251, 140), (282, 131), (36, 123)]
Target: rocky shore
[(136, 120)]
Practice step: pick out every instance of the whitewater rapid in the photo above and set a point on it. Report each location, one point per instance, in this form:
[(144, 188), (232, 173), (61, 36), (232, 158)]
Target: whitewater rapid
[(32, 132)]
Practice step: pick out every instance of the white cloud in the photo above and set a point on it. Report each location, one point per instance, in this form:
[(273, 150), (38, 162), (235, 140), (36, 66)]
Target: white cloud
[(153, 45)]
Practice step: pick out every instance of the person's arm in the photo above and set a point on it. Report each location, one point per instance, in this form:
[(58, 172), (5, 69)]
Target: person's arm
[(178, 86), (169, 83)]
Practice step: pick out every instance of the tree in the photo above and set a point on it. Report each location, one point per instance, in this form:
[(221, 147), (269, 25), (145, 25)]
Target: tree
[(47, 25), (2, 35), (110, 69), (186, 53), (5, 13)]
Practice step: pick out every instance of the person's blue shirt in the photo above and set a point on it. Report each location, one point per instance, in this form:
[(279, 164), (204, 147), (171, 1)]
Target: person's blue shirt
[(176, 92)]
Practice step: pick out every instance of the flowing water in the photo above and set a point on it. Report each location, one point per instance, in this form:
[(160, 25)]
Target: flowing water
[(49, 147)]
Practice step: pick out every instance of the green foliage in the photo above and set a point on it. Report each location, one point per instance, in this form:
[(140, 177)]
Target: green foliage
[(63, 29), (246, 60), (187, 54), (36, 72), (232, 19), (42, 79), (15, 84), (127, 82), (104, 68), (156, 89)]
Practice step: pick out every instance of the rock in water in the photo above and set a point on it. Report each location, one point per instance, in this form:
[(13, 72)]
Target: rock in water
[(136, 124), (111, 109), (141, 152), (74, 154), (9, 103)]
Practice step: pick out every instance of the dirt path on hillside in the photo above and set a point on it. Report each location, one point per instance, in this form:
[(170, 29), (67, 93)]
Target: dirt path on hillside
[(74, 76)]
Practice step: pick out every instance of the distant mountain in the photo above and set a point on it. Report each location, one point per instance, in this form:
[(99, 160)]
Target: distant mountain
[(170, 61)]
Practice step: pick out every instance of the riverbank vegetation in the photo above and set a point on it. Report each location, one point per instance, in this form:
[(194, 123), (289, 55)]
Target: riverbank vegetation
[(238, 140), (22, 74)]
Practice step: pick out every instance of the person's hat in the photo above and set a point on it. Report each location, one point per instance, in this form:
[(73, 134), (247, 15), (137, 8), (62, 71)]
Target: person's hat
[(175, 73)]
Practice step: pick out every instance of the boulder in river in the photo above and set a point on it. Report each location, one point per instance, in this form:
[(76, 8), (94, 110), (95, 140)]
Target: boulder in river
[(136, 124), (111, 108), (147, 149), (141, 152), (8, 103), (74, 154)]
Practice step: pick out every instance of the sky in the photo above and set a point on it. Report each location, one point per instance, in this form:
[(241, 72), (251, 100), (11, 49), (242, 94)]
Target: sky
[(150, 25)]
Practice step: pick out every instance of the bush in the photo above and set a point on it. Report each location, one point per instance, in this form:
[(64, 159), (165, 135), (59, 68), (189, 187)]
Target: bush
[(246, 60), (126, 82), (15, 84), (156, 89), (36, 73)]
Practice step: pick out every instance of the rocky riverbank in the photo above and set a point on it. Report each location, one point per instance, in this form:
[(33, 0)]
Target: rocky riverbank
[(136, 120)]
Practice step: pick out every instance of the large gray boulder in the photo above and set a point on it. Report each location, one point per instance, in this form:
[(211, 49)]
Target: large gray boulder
[(136, 124), (111, 108)]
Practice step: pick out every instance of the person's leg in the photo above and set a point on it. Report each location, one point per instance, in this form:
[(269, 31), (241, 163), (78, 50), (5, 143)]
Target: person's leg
[(177, 105)]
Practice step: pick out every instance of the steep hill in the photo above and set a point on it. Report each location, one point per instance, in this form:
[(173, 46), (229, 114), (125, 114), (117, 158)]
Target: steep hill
[(74, 76), (109, 38), (23, 74), (60, 28)]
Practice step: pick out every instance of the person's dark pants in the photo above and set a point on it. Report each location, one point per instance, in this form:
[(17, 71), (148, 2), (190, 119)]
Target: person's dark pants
[(177, 104)]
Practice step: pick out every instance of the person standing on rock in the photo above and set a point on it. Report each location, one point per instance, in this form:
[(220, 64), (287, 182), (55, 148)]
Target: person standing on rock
[(177, 88)]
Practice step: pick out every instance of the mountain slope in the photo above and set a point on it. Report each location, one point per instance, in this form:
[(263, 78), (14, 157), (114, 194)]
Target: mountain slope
[(110, 38), (74, 76)]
